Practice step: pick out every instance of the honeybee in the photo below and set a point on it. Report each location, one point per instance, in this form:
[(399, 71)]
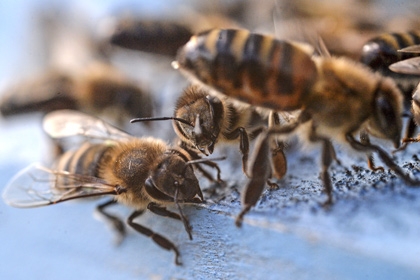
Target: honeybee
[(163, 37), (140, 172), (98, 87), (337, 97), (381, 52), (160, 37), (202, 120)]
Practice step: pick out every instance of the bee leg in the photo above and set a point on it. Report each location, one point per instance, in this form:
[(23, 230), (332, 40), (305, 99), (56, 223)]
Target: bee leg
[(384, 157), (194, 155), (116, 223), (162, 211), (409, 133), (261, 166), (411, 140), (279, 161), (243, 145), (364, 139), (327, 156), (208, 176), (157, 238), (261, 171)]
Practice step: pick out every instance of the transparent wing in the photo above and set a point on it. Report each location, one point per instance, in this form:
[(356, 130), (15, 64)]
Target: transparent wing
[(37, 186), (411, 49), (66, 123), (407, 66)]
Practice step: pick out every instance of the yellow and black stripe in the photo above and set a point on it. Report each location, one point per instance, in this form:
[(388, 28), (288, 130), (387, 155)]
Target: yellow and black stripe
[(382, 51), (83, 161), (253, 68)]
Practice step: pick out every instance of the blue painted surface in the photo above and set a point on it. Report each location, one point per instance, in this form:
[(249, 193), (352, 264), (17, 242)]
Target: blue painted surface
[(370, 233)]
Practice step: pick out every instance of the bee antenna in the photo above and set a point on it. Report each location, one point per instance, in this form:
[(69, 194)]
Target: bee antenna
[(160, 119), (201, 160)]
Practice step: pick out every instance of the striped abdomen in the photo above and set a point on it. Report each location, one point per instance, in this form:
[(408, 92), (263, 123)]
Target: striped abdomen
[(159, 37), (83, 161), (382, 51), (253, 68)]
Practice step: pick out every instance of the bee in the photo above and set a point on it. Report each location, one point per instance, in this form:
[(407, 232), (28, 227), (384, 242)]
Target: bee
[(163, 37), (159, 37), (97, 88), (142, 173), (337, 97), (381, 52), (202, 120)]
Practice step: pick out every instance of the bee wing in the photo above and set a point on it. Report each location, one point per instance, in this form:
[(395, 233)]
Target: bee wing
[(37, 186), (411, 49), (66, 123), (407, 66)]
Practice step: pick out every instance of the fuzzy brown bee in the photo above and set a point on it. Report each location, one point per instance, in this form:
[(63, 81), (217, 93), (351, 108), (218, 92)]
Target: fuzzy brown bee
[(381, 52), (162, 36), (159, 37), (140, 172), (202, 120), (98, 87), (337, 97)]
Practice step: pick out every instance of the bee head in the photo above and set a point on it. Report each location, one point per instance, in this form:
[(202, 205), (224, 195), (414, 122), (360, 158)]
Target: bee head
[(173, 179), (202, 114)]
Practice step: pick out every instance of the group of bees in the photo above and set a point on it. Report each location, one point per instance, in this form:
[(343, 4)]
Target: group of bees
[(244, 86)]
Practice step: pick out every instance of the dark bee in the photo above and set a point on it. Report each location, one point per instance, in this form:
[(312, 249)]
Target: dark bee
[(382, 51), (159, 37), (140, 173), (337, 97), (163, 37), (99, 87), (48, 92)]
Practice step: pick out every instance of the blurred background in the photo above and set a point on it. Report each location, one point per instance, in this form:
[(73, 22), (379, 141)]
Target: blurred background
[(52, 46)]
